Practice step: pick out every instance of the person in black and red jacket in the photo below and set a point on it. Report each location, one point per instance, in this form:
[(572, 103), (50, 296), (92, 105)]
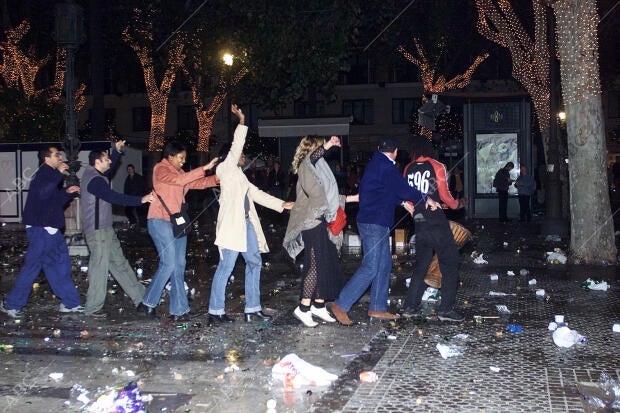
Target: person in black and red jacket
[(433, 232)]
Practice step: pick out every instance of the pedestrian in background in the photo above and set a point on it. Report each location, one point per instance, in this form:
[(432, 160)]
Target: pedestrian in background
[(382, 188), (502, 182), (238, 229), (44, 219), (317, 204), (135, 186), (525, 188), (106, 254), (171, 183)]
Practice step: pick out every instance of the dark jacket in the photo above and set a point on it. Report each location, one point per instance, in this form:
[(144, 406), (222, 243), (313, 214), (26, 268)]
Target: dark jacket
[(381, 189), (134, 185), (46, 201), (502, 180)]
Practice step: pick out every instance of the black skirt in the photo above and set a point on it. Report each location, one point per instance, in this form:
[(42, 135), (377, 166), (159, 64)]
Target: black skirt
[(321, 260)]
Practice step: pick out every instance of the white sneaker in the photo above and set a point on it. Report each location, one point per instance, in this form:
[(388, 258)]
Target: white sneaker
[(322, 313), (76, 309), (10, 312), (305, 318)]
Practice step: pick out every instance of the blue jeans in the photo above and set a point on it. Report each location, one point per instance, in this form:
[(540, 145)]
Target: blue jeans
[(48, 253), (374, 271), (253, 263), (171, 267)]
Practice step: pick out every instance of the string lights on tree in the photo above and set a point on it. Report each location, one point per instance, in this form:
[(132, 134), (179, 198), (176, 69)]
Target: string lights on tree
[(436, 84), (139, 36), (205, 110), (498, 22)]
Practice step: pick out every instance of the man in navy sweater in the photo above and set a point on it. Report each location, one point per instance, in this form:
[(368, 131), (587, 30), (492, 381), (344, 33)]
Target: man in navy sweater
[(47, 250), (106, 254), (382, 188)]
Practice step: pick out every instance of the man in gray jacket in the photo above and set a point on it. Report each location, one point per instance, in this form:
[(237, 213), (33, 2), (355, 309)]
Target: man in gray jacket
[(106, 254)]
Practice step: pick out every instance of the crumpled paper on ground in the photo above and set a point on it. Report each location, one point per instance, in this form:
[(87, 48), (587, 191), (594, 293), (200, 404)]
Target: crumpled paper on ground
[(556, 256), (598, 285), (479, 259), (302, 372), (565, 337)]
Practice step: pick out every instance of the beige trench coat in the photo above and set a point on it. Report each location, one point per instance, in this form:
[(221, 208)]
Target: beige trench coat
[(230, 232)]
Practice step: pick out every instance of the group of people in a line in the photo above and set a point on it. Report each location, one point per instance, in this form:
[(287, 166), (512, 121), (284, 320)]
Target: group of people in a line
[(315, 226)]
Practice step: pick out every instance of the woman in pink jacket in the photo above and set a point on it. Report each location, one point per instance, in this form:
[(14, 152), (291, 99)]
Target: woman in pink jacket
[(171, 183)]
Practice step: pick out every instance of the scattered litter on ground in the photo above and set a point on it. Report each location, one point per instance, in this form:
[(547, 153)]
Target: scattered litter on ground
[(501, 294), (557, 256), (494, 369), (553, 238), (478, 259), (524, 271), (510, 272), (603, 395), (368, 377), (502, 309), (540, 292), (494, 277), (431, 294), (56, 376), (481, 318), (595, 284), (532, 281), (300, 372), (127, 399), (565, 337), (616, 328), (514, 328), (449, 350), (232, 368)]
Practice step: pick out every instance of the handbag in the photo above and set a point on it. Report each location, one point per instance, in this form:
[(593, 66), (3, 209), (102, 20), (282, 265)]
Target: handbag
[(180, 221), (338, 224)]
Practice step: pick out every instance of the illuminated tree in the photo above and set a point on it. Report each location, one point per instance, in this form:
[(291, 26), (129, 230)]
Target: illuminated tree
[(592, 231), (431, 82), (498, 22), (139, 36), (206, 108)]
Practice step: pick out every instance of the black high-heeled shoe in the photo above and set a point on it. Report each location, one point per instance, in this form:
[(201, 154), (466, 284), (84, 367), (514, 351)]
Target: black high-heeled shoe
[(183, 317), (221, 318), (149, 312), (256, 315)]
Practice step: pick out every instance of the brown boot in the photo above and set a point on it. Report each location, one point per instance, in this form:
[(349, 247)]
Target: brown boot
[(341, 315), (382, 315)]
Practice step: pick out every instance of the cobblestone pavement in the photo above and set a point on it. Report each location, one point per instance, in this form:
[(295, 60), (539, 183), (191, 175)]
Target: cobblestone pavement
[(183, 365)]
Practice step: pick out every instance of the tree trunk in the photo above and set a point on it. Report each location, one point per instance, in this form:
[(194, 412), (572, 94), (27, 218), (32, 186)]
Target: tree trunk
[(592, 231), (158, 122), (97, 70)]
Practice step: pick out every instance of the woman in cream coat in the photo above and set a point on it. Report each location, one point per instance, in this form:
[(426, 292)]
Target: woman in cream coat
[(238, 229)]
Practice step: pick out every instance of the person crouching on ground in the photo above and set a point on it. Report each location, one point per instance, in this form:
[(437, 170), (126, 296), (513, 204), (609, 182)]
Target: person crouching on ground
[(317, 204), (238, 229)]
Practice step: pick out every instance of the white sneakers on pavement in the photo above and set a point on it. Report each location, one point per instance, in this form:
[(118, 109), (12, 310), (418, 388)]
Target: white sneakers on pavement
[(76, 309), (322, 313), (305, 317)]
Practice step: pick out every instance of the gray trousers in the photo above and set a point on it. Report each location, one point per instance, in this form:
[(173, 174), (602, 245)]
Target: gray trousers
[(106, 256)]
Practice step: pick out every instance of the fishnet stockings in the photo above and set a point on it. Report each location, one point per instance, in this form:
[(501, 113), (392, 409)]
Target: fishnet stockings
[(310, 283)]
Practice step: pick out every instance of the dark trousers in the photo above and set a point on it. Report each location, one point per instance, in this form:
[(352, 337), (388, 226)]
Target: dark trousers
[(49, 253), (430, 239), (502, 205), (525, 213)]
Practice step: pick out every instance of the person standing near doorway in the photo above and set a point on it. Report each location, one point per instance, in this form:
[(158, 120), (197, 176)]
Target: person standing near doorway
[(501, 183), (525, 187)]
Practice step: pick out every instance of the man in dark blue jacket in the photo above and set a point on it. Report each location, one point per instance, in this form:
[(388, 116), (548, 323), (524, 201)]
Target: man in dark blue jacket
[(47, 250), (106, 254), (382, 188)]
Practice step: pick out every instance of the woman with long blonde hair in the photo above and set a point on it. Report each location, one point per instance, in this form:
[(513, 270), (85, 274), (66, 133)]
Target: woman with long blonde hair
[(317, 205)]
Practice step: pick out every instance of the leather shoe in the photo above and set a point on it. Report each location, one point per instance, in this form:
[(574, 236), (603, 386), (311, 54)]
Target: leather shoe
[(183, 317), (256, 315), (381, 316), (221, 318), (341, 315), (149, 312)]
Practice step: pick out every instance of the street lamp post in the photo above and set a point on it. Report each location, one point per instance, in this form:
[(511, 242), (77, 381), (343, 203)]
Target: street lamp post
[(228, 61), (69, 34)]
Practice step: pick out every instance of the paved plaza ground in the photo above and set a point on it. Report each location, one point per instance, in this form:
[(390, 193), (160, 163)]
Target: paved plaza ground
[(186, 366)]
